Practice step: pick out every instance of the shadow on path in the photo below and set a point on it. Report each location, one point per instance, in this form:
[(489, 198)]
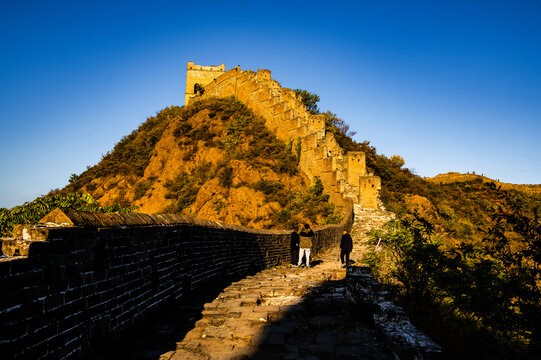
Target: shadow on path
[(159, 332), (324, 326), (284, 313), (281, 313)]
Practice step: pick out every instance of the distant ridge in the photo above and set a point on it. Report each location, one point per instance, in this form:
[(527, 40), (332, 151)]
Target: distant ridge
[(455, 177)]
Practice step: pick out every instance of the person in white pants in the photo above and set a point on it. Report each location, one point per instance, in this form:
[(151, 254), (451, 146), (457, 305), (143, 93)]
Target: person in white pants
[(305, 244)]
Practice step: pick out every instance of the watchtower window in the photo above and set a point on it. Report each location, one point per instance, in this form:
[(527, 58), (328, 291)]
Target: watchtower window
[(197, 88)]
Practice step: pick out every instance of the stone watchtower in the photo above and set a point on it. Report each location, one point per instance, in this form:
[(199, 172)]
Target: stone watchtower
[(357, 177), (369, 187), (356, 166), (200, 75)]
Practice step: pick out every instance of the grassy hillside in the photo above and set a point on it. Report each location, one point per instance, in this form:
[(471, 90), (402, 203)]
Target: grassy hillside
[(214, 160)]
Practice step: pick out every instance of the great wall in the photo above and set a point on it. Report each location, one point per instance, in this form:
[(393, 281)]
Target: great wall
[(344, 175), (81, 277)]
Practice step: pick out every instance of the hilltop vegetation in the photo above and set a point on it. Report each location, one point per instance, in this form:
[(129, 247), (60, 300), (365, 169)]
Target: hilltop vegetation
[(213, 159), (32, 212)]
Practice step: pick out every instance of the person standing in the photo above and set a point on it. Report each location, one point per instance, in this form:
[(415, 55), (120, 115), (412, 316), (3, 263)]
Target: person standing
[(305, 244), (346, 245), (294, 247)]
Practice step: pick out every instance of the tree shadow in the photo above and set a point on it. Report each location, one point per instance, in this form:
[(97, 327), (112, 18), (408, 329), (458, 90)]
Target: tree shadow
[(325, 326)]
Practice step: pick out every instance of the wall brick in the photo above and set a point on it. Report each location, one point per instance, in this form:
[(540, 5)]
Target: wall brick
[(88, 279)]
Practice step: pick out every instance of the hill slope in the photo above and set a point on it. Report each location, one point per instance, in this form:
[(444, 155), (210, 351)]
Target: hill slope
[(454, 177), (214, 160)]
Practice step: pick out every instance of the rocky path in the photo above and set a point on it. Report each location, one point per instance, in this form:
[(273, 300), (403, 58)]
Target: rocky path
[(288, 313)]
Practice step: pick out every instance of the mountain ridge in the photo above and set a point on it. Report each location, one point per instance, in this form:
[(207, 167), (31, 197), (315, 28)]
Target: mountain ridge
[(454, 177)]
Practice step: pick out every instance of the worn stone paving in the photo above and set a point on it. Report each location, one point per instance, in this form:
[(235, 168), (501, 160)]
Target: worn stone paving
[(289, 313)]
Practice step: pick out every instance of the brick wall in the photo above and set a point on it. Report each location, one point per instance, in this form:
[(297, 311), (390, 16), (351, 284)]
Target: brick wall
[(89, 281)]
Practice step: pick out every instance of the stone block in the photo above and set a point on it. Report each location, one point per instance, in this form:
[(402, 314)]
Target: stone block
[(280, 329), (353, 351), (187, 355), (255, 316), (15, 247), (332, 337), (300, 339), (224, 332), (243, 351), (322, 321)]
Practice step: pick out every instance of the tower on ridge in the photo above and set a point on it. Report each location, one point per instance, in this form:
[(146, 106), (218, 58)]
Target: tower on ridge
[(197, 76), (369, 187), (356, 167)]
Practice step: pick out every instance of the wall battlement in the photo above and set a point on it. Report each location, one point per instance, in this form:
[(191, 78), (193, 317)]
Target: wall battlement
[(102, 274), (286, 116), (201, 75), (193, 66)]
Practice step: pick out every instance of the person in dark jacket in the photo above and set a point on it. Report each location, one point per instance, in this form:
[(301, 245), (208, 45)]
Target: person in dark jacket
[(294, 246), (346, 245), (305, 244)]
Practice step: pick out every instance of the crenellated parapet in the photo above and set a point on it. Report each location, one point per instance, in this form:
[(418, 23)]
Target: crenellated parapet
[(286, 115)]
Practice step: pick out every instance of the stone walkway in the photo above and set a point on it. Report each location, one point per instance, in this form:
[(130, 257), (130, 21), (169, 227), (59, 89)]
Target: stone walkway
[(288, 313)]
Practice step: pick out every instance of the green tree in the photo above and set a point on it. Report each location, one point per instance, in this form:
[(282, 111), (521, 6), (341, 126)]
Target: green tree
[(336, 125), (309, 100), (73, 178), (397, 161)]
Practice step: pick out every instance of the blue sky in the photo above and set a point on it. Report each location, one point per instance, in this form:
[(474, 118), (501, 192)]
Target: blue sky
[(448, 85)]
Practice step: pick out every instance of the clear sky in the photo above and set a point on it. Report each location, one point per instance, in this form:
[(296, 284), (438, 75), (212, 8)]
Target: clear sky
[(448, 85)]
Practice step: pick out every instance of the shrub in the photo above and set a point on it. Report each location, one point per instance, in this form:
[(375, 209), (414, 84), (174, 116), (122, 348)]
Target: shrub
[(226, 176), (490, 292), (268, 187), (184, 187), (91, 186), (309, 100), (282, 217), (183, 190), (32, 212), (142, 187)]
